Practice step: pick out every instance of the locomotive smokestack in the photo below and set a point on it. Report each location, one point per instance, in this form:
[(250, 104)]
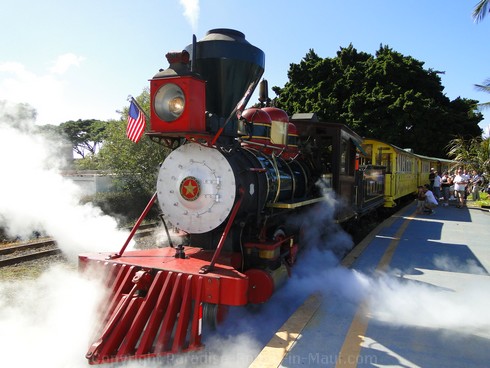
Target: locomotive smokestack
[(232, 68)]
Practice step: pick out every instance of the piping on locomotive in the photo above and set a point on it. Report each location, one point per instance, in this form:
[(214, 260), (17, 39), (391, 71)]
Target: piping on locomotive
[(231, 182)]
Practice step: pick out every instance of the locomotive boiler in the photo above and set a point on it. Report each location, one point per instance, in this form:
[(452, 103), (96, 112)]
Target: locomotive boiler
[(235, 183)]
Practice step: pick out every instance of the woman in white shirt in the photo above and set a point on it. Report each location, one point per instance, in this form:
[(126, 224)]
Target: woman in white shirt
[(460, 182), (437, 186)]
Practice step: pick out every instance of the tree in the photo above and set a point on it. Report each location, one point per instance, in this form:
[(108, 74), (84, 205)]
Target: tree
[(86, 136), (473, 153), (480, 10), (478, 15), (135, 165), (388, 96), (485, 87)]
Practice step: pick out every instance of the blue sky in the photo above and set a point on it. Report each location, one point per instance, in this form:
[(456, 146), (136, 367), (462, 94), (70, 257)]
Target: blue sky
[(79, 60)]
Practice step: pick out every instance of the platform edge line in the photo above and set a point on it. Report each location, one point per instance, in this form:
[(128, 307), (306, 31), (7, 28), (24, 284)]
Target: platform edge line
[(284, 339)]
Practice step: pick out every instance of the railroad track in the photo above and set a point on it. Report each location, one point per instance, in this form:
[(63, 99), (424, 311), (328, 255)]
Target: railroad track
[(28, 252), (23, 252)]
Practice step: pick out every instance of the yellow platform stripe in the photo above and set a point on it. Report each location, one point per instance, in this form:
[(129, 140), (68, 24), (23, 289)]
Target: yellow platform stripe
[(282, 342), (284, 339), (349, 353)]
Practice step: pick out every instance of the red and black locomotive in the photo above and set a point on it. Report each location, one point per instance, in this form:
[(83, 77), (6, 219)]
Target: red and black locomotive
[(232, 183)]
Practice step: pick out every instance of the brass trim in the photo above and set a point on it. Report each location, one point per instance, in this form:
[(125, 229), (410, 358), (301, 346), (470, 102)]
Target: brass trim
[(295, 204)]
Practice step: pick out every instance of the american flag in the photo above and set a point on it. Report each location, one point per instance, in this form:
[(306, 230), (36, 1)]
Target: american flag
[(136, 123)]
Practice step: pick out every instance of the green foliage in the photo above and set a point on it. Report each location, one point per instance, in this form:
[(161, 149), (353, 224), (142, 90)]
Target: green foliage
[(85, 135), (484, 200), (126, 207), (480, 10), (473, 153), (89, 162), (485, 87), (388, 96), (135, 164)]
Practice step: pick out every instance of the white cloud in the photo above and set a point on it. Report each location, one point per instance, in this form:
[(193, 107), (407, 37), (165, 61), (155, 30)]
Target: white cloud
[(53, 93), (43, 92), (64, 62), (13, 67)]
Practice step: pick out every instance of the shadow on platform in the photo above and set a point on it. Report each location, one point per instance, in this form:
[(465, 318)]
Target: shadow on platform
[(419, 247), (415, 346)]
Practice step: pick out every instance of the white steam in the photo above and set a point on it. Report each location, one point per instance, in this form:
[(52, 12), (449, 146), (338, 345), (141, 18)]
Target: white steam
[(445, 263), (414, 303), (48, 321), (237, 351), (35, 197), (191, 12)]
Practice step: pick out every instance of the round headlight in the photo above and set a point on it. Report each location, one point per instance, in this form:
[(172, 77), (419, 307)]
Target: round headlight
[(176, 105), (169, 102)]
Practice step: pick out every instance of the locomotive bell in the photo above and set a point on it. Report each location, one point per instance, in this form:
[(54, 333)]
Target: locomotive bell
[(232, 68)]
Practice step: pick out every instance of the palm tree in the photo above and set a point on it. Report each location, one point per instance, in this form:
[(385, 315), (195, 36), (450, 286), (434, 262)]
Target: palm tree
[(473, 153), (461, 150), (478, 14), (483, 156), (485, 87), (480, 10)]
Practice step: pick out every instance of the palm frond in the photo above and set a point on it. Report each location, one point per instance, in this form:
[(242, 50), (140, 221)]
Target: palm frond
[(483, 105), (482, 88), (485, 87), (480, 10)]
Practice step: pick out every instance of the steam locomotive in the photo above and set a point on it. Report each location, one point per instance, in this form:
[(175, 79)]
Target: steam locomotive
[(236, 184)]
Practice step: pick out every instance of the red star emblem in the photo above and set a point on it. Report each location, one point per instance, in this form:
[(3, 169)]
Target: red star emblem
[(190, 188)]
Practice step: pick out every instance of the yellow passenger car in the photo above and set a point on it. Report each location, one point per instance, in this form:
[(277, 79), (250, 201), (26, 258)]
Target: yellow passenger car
[(401, 177), (426, 163)]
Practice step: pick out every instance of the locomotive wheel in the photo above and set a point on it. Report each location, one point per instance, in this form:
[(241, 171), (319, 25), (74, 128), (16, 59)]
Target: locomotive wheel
[(213, 314)]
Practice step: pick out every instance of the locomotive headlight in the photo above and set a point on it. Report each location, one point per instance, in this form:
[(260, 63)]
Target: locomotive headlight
[(176, 105), (169, 102)]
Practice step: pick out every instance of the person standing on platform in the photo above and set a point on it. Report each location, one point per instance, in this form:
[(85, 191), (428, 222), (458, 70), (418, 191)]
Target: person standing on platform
[(436, 188), (446, 182), (432, 176), (475, 186), (460, 182), (467, 177)]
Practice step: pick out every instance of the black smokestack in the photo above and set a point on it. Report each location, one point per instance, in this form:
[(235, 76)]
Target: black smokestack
[(230, 65)]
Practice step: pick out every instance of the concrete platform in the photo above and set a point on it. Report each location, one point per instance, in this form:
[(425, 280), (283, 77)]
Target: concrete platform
[(417, 295)]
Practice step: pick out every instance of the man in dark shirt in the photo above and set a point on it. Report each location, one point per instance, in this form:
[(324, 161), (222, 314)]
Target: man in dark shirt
[(432, 176)]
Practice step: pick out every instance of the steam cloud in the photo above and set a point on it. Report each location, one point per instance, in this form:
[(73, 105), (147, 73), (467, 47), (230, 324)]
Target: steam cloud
[(405, 302), (191, 12), (47, 321), (35, 197)]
